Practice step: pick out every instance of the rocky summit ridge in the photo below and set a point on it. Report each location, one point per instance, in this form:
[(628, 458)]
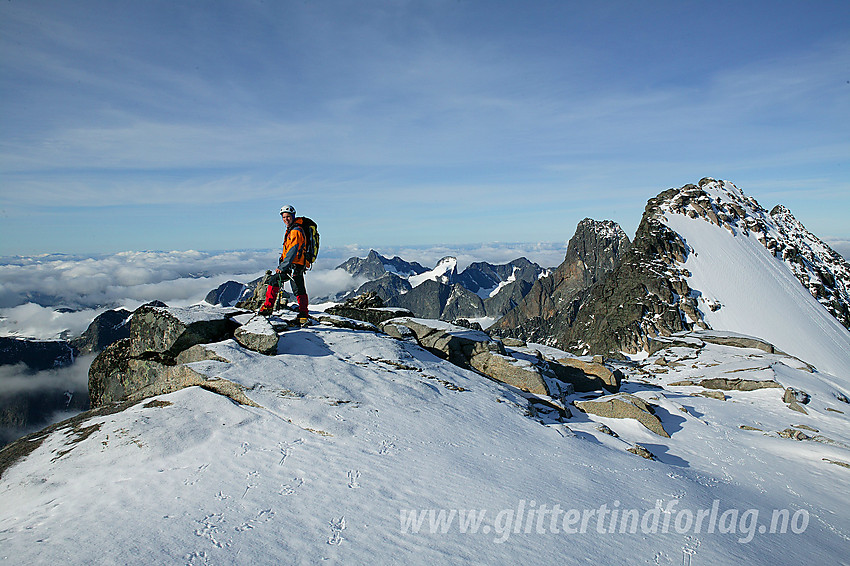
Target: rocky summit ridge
[(648, 290)]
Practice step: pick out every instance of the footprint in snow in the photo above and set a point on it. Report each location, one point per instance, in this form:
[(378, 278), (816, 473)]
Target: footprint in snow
[(289, 488), (192, 480), (211, 529), (353, 476), (387, 447), (337, 526), (263, 516)]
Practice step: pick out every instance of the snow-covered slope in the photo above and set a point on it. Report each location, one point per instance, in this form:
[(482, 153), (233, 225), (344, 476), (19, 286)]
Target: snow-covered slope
[(742, 286), (365, 449), (444, 272)]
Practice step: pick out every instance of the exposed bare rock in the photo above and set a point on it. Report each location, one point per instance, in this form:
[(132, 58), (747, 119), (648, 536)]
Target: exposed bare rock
[(794, 434), (146, 363), (508, 370), (595, 369), (454, 343), (641, 451), (795, 395), (736, 340), (725, 384), (470, 348), (710, 394), (166, 331), (108, 327), (368, 307), (624, 406), (199, 353), (257, 335), (549, 308)]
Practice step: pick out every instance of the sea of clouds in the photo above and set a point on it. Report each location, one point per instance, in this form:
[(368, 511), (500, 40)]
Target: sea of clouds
[(57, 296)]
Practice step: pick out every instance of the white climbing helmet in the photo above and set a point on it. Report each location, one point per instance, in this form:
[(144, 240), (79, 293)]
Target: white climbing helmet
[(288, 208)]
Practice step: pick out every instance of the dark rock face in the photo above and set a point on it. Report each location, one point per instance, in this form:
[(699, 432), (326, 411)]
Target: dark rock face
[(645, 295), (387, 286), (38, 355), (501, 287), (552, 303), (426, 300), (105, 329), (26, 400), (228, 294), (462, 302), (375, 265), (26, 409)]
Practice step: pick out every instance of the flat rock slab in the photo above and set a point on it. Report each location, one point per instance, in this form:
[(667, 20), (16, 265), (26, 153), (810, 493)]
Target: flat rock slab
[(454, 343), (520, 374), (372, 315), (258, 335), (725, 384), (624, 406)]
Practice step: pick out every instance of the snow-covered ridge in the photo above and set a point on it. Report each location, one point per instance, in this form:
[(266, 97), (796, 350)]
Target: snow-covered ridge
[(824, 272), (742, 272), (444, 272)]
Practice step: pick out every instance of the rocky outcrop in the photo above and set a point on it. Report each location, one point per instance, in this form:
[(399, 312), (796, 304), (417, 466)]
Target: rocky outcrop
[(470, 349), (725, 384), (549, 309), (257, 334), (821, 270), (151, 360), (164, 332), (520, 374), (624, 406), (736, 340), (644, 296), (368, 307), (108, 327), (474, 349), (592, 376)]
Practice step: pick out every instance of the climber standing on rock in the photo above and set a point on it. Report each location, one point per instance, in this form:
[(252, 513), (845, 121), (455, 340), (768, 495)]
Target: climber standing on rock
[(293, 263)]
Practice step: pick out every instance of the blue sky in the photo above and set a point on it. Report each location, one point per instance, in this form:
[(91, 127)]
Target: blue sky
[(176, 125)]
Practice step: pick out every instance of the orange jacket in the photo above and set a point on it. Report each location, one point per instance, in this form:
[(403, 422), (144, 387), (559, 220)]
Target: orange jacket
[(294, 248)]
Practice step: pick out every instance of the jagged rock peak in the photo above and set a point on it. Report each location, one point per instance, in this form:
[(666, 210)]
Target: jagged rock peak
[(549, 309), (375, 265), (598, 244)]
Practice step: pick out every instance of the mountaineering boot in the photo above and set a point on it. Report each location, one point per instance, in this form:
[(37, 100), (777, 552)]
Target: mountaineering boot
[(303, 313), (268, 305)]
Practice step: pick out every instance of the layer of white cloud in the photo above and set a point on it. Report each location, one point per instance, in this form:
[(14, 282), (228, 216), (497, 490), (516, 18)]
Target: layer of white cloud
[(53, 296)]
